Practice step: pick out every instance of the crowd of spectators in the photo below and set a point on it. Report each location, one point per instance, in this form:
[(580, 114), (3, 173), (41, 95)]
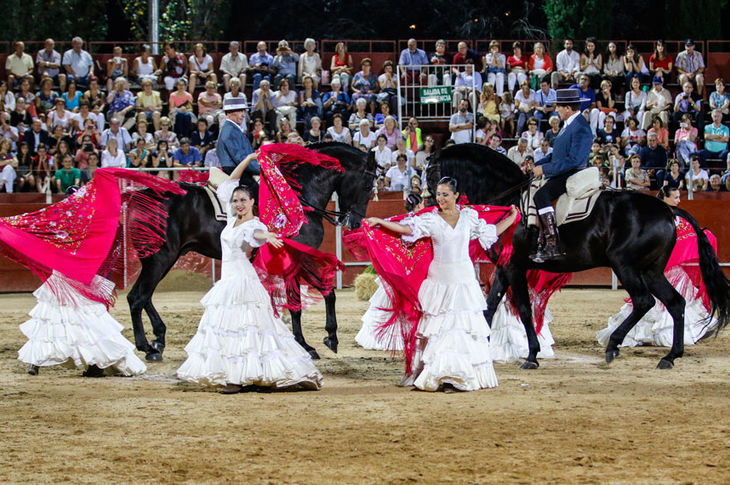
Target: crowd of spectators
[(63, 115)]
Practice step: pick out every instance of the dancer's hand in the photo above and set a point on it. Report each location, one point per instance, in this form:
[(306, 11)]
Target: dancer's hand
[(275, 241), (373, 221)]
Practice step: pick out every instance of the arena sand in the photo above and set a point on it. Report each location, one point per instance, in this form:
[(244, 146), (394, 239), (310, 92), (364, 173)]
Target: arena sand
[(575, 420)]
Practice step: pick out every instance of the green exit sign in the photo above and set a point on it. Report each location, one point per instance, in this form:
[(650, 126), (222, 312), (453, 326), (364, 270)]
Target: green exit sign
[(439, 94)]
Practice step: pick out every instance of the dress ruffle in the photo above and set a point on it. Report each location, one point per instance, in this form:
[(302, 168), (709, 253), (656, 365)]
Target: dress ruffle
[(80, 332), (508, 341), (375, 316), (239, 341)]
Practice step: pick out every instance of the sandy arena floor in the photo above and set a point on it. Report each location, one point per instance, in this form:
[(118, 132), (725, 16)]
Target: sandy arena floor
[(575, 420)]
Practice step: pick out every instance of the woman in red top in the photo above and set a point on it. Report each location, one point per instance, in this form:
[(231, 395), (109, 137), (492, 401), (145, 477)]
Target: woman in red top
[(661, 63), (341, 65), (517, 67), (539, 65)]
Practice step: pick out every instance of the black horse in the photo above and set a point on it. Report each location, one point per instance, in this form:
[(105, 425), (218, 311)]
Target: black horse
[(630, 232), (191, 226)]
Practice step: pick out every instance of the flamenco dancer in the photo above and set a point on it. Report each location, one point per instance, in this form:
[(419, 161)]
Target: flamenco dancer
[(656, 327), (80, 243), (240, 343), (452, 347), (377, 313)]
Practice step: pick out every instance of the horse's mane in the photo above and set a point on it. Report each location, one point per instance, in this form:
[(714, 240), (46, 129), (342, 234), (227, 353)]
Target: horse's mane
[(353, 160)]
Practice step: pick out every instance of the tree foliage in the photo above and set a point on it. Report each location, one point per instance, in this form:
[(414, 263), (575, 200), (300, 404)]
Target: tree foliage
[(59, 19), (180, 19)]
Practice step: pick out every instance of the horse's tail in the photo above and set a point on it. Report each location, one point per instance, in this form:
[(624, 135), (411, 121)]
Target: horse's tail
[(718, 286)]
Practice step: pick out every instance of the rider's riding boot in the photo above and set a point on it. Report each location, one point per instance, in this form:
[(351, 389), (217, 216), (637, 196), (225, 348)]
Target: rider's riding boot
[(551, 248)]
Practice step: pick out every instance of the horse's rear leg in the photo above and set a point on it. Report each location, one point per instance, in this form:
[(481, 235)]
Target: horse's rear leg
[(496, 292), (641, 301), (296, 328), (331, 322), (675, 304), (521, 295)]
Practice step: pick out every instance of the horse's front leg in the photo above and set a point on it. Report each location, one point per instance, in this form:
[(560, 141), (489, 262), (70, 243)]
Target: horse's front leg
[(496, 293), (521, 295), (331, 322), (296, 328)]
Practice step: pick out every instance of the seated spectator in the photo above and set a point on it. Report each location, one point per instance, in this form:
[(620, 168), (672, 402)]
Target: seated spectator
[(691, 66), (632, 137), (412, 134), (725, 180), (258, 135), (338, 131), (67, 175), (489, 103), (23, 171), (40, 172), (186, 155), (697, 178), (605, 103), (716, 184), (495, 143), (588, 102), (686, 103), (415, 187), (384, 113), (507, 114), (364, 84), (525, 104), (60, 144), (310, 64), (533, 137), (518, 152), (144, 67), (202, 138), (85, 114), (591, 62), (468, 85), (391, 131), (464, 55), (202, 68), (263, 106), (661, 63), (8, 165), (341, 66), (45, 99), (517, 67), (211, 158), (90, 130), (162, 158), (116, 67), (139, 155), (180, 104), (543, 151), (388, 86), (18, 65), (540, 65), (613, 68), (260, 65), (400, 149), (335, 102), (234, 65), (285, 63), (78, 63), (636, 177), (685, 139), (567, 65), (716, 138), (285, 129), (364, 138), (635, 66), (166, 134), (285, 102), (72, 97), (210, 103), (608, 134), (462, 123), (174, 66), (545, 98), (359, 115), (398, 177), (719, 99), (383, 154), (48, 63), (661, 132), (7, 98), (671, 176), (60, 116), (425, 153), (236, 93), (112, 156), (8, 131), (35, 136), (635, 102), (116, 131), (20, 118), (314, 133), (310, 102), (411, 61), (96, 99), (149, 103), (121, 103), (439, 76), (143, 134), (495, 67), (658, 104), (653, 155)]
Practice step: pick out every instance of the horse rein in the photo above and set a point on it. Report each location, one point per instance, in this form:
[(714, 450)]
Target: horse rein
[(331, 215)]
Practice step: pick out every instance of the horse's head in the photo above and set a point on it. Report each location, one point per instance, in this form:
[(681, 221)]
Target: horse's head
[(355, 189)]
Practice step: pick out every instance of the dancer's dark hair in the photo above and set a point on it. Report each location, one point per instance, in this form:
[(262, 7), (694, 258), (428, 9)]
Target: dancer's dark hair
[(412, 201)]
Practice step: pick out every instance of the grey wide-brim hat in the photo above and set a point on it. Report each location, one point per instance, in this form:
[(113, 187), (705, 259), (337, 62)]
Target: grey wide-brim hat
[(569, 96), (234, 104)]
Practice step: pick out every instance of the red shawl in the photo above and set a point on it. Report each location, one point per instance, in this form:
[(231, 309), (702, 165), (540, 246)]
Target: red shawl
[(685, 254)]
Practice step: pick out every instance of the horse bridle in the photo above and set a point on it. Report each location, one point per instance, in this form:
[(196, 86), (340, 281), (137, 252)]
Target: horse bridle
[(332, 216)]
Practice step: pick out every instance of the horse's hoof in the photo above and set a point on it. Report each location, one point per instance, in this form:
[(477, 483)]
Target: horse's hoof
[(313, 353), (158, 346), (611, 355), (154, 356), (33, 370), (527, 365), (331, 344), (664, 364), (93, 371)]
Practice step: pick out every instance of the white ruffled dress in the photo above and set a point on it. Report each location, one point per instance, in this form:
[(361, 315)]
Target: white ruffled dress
[(239, 339), (68, 328), (453, 336), (509, 339), (657, 326), (375, 316)]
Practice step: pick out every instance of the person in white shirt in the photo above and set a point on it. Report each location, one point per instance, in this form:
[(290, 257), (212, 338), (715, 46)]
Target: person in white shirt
[(402, 150), (461, 124), (112, 156), (364, 138), (518, 152), (567, 65), (234, 65), (398, 177), (382, 154), (465, 81), (544, 150)]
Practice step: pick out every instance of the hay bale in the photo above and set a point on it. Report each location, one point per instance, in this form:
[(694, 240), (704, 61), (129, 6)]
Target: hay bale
[(365, 285)]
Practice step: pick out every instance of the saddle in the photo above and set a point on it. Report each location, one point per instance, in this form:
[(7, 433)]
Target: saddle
[(581, 193), (220, 211)]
